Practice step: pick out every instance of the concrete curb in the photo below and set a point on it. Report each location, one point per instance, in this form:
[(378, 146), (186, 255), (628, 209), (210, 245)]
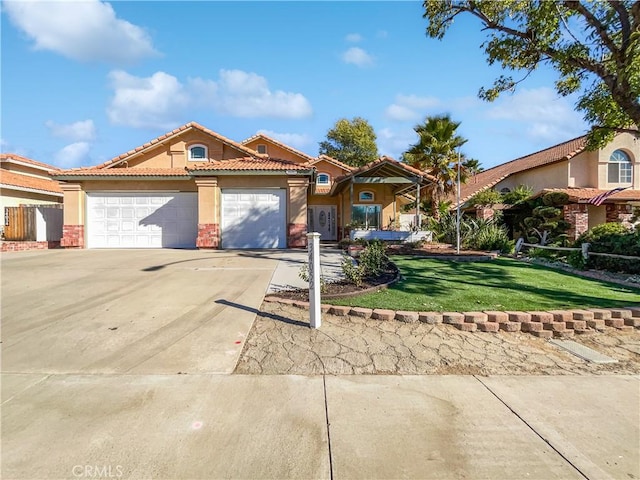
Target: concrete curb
[(549, 324)]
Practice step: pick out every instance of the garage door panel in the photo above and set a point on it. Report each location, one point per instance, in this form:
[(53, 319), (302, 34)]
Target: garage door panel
[(253, 218), (142, 220)]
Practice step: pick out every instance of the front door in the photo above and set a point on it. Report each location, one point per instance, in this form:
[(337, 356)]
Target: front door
[(322, 219)]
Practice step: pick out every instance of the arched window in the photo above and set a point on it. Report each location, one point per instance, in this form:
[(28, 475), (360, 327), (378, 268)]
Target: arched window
[(505, 190), (619, 169), (366, 196), (197, 152), (323, 179)]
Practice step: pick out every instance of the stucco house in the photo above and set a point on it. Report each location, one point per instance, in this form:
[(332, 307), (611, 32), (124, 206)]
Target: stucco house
[(568, 167), (26, 182), (193, 187)]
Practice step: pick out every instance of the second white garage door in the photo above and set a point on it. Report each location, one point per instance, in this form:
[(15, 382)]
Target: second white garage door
[(254, 218), (142, 220)]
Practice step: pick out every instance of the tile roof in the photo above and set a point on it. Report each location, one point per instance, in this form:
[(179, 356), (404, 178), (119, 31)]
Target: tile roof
[(322, 190), (173, 133), (329, 159), (12, 156), (381, 161), (124, 172), (251, 164), (492, 176), (581, 195), (258, 136), (14, 179)]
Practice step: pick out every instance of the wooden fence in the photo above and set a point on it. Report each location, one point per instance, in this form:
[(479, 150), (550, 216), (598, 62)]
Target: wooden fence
[(584, 248), (20, 223)]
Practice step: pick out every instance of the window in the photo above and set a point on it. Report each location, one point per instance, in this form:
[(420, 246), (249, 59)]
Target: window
[(505, 190), (261, 149), (366, 196), (197, 152), (619, 167), (323, 179), (366, 216)]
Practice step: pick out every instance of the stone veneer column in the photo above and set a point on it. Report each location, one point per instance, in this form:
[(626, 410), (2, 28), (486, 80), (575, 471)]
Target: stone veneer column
[(73, 216), (577, 215), (619, 213), (208, 213), (484, 213), (297, 208)]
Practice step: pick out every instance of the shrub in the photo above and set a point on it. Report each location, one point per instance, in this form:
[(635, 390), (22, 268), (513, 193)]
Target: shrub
[(373, 259), (352, 272), (486, 198), (609, 238), (517, 195), (489, 236)]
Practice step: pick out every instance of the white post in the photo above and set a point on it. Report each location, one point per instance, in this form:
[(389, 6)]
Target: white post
[(313, 241), (585, 250), (458, 208)]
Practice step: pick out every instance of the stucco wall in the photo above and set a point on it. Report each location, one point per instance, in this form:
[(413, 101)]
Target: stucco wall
[(555, 175), (274, 151), (631, 146), (173, 153), (597, 215), (583, 170), (383, 196), (15, 198)]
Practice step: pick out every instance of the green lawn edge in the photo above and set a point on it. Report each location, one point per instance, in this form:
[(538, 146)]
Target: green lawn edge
[(500, 284)]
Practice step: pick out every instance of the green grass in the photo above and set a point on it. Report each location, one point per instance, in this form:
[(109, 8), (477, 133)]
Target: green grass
[(501, 284)]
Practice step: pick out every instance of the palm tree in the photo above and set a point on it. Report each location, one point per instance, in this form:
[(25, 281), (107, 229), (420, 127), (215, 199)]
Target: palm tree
[(436, 153)]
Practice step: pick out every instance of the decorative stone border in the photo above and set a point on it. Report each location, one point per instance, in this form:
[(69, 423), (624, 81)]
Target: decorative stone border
[(544, 324), (16, 246)]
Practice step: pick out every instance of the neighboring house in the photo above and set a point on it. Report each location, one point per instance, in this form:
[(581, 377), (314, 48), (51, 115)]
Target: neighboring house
[(193, 187), (31, 204), (26, 182), (582, 174)]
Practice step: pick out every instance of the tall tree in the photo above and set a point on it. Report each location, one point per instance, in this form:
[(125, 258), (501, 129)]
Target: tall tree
[(351, 141), (593, 45), (436, 153)]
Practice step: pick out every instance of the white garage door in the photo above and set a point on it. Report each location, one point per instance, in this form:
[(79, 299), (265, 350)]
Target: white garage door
[(254, 218), (142, 220)]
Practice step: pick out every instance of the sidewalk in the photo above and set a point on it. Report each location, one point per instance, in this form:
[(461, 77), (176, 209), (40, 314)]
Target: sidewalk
[(286, 275), (317, 427)]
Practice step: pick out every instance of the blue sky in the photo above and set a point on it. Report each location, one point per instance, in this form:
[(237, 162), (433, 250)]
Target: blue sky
[(84, 81)]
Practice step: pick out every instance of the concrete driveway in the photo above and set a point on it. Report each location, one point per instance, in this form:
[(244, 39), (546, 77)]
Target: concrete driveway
[(129, 311)]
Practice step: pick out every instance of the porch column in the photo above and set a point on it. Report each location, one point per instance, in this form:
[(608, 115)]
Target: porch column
[(577, 215), (619, 213), (297, 212), (484, 213), (208, 213), (73, 216)]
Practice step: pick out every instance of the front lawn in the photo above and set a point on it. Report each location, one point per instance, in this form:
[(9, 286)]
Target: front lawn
[(501, 284)]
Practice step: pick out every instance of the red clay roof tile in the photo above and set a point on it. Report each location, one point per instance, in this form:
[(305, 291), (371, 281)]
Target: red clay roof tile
[(125, 172), (581, 195), (183, 128), (492, 176), (12, 156), (278, 143), (250, 163), (15, 179)]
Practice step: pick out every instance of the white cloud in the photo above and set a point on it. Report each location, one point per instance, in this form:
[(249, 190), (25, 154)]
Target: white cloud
[(86, 30), (410, 107), (353, 38), (545, 116), (296, 140), (247, 95), (395, 142), (357, 56), (73, 155), (160, 101), (155, 102), (81, 131)]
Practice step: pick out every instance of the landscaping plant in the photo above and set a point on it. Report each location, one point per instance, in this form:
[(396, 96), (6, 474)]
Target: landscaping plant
[(612, 238)]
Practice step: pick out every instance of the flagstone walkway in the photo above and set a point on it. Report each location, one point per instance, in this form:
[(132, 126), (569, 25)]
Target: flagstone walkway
[(281, 342)]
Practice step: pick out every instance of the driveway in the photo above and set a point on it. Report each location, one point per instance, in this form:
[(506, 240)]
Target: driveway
[(129, 311)]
